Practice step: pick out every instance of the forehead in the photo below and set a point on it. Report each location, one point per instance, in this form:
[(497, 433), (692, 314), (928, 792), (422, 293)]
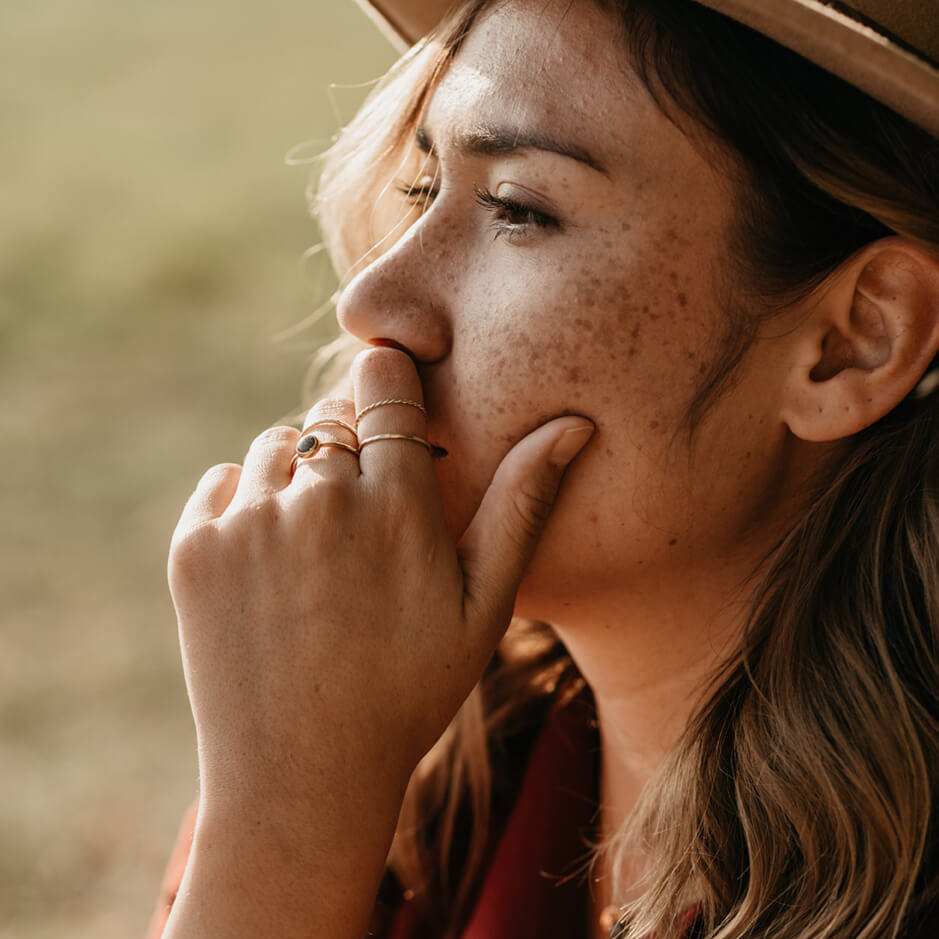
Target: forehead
[(551, 65), (534, 61)]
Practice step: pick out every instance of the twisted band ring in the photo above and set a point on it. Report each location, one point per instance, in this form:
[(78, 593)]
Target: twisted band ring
[(407, 402)]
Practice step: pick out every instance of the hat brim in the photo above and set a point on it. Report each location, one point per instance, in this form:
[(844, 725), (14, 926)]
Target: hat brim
[(850, 48)]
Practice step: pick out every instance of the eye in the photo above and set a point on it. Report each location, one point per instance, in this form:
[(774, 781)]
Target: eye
[(513, 218), (421, 192)]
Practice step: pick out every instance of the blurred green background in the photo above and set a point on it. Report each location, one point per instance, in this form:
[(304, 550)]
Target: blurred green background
[(151, 250)]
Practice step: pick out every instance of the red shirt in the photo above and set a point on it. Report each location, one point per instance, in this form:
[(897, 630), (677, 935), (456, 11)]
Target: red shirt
[(534, 886)]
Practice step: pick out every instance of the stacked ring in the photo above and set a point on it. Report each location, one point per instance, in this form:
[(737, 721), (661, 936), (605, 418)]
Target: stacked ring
[(407, 402), (310, 444), (377, 437)]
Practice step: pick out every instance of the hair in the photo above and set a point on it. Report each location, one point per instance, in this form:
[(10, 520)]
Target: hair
[(800, 801)]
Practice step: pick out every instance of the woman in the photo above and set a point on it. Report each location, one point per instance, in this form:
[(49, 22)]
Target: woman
[(641, 240)]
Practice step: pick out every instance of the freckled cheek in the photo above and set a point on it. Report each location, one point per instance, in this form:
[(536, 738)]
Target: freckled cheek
[(592, 334)]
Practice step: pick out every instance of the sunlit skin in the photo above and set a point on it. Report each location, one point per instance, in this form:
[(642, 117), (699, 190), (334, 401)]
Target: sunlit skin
[(609, 310), (333, 619), (610, 306)]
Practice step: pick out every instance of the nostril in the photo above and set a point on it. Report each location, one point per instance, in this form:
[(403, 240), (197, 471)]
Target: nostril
[(392, 344)]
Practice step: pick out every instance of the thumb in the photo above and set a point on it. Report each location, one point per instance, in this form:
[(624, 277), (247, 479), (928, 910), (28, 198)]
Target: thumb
[(500, 540)]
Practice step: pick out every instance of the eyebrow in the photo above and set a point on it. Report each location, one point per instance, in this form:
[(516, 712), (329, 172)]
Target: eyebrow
[(498, 141)]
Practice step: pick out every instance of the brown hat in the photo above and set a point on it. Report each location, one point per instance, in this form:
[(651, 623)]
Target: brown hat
[(888, 48)]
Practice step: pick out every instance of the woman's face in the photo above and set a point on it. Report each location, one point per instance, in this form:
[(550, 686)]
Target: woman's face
[(570, 258)]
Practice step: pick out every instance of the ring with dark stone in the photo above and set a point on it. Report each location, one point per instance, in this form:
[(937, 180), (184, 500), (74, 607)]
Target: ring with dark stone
[(308, 445)]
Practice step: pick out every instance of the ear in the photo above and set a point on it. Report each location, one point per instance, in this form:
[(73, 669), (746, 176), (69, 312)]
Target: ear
[(867, 336)]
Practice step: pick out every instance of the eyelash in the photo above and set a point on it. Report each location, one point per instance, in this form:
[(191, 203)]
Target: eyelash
[(507, 216)]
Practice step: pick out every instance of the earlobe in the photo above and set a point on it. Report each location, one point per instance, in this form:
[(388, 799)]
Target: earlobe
[(869, 335)]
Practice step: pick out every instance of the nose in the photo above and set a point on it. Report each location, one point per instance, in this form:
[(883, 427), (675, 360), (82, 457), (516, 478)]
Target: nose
[(397, 300)]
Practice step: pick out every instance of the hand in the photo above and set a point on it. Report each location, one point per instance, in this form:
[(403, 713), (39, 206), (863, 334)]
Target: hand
[(330, 628)]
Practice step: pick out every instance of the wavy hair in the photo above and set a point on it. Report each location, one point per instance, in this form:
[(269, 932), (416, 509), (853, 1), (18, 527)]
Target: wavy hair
[(800, 801)]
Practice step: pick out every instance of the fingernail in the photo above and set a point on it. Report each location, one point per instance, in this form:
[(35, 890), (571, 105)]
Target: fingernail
[(570, 443)]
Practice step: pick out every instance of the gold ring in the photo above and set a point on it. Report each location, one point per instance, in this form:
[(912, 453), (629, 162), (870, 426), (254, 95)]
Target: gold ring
[(385, 403), (328, 422), (410, 437), (311, 445)]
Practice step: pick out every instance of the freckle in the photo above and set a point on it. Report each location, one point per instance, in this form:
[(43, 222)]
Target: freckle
[(630, 352), (682, 299), (702, 368), (672, 541), (673, 277), (748, 455), (593, 517), (606, 399), (635, 331), (573, 375), (645, 309), (692, 354), (500, 409), (625, 227), (609, 452), (653, 425)]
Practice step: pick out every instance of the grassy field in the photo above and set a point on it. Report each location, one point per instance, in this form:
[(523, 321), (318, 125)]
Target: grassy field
[(150, 251)]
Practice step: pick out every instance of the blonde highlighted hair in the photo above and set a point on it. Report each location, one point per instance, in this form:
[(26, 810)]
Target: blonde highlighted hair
[(799, 804)]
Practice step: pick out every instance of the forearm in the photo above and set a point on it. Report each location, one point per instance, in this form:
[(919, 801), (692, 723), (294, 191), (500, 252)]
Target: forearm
[(258, 871)]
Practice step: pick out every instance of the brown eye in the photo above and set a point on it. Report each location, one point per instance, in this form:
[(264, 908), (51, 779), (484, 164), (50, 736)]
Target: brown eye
[(512, 217)]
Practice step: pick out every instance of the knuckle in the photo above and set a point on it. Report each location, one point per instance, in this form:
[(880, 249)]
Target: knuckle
[(330, 407), (275, 437), (399, 493), (400, 498), (253, 514), (218, 475)]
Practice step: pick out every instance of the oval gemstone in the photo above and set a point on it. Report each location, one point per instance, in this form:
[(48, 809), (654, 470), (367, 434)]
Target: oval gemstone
[(307, 445)]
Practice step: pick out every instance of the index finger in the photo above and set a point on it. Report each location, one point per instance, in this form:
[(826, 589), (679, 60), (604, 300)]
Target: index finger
[(392, 423)]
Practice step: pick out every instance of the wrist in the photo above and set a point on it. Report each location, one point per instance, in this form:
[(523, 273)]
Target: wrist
[(269, 866)]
